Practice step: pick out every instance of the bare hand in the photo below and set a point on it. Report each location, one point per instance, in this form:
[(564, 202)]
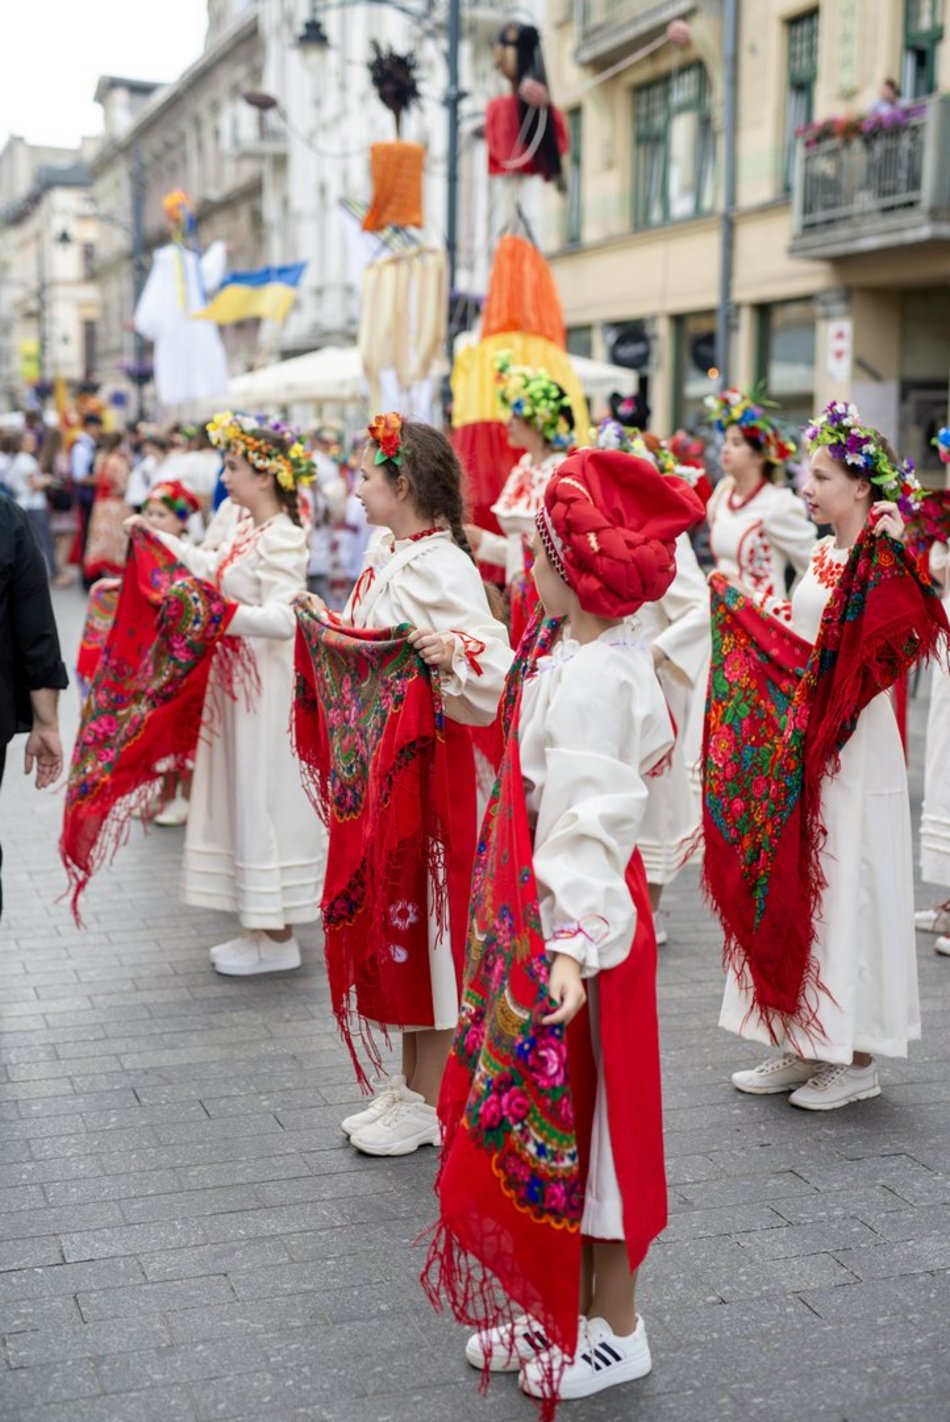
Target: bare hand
[(474, 535), (134, 521), (885, 517), (45, 749), (534, 93), (313, 601), (566, 988), (435, 648)]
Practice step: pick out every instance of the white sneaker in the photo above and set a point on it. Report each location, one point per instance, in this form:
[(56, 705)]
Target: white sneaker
[(933, 920), (504, 1349), (390, 1089), (660, 928), (781, 1073), (174, 813), (837, 1084), (942, 945), (255, 953), (407, 1124), (602, 1360)]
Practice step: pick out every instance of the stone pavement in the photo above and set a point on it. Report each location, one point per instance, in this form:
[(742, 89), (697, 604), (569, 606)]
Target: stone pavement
[(185, 1235)]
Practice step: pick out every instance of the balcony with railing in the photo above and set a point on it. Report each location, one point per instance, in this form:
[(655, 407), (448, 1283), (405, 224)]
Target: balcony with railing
[(865, 186), (607, 29)]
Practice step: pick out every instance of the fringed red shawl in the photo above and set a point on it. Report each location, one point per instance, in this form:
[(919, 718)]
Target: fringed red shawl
[(779, 714), (100, 615), (517, 1099), (146, 705), (374, 746)]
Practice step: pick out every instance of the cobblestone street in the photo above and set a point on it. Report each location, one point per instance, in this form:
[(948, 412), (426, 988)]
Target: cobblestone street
[(185, 1235)]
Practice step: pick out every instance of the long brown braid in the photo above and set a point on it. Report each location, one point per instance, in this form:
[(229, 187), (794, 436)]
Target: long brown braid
[(432, 468)]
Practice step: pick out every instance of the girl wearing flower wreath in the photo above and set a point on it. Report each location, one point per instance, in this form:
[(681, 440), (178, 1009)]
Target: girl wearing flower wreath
[(253, 846), (675, 627), (935, 814), (758, 529), (541, 422), (419, 570), (552, 1185), (808, 835)]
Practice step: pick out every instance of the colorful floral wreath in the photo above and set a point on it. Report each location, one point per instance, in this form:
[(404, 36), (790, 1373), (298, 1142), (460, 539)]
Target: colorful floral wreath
[(941, 442), (269, 446), (747, 409), (611, 434), (838, 430), (386, 432), (535, 397), (173, 494)]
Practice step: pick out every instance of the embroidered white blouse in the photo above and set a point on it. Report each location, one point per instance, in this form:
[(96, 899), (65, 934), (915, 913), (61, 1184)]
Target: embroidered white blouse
[(515, 509), (430, 582), (756, 538), (593, 721)]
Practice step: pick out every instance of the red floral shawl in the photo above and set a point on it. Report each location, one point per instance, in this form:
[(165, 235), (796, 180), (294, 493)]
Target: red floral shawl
[(146, 706), (370, 732), (100, 615), (779, 714)]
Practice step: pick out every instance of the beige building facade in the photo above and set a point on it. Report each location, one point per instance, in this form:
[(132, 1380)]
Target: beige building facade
[(197, 134), (49, 305), (841, 271)]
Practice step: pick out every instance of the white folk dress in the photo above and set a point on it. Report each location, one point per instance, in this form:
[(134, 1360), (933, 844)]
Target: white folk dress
[(254, 844), (935, 819), (678, 623), (584, 762), (865, 946), (757, 538), (430, 582), (515, 509)]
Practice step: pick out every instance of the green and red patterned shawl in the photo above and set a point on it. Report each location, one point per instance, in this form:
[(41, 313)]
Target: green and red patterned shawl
[(370, 733), (779, 713), (509, 1187), (146, 706)]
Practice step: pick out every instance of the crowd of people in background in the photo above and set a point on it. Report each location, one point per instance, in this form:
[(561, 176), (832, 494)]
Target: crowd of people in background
[(77, 498)]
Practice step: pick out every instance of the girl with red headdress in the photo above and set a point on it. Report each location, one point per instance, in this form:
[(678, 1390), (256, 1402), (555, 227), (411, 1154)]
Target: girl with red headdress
[(419, 570), (551, 1101)]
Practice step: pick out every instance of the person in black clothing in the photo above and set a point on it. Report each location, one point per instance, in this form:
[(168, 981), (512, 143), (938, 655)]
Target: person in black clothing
[(32, 673)]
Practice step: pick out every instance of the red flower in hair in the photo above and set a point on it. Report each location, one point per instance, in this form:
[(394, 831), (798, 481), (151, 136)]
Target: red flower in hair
[(386, 431)]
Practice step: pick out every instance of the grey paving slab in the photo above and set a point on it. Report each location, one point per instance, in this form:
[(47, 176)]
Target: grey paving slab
[(186, 1235)]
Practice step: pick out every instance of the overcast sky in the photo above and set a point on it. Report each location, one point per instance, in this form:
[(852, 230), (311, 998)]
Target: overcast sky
[(55, 51)]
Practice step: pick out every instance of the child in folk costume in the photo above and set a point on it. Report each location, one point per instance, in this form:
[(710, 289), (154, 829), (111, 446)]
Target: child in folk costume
[(419, 570), (676, 630), (935, 814), (758, 528), (253, 845), (554, 1136), (540, 421), (824, 965)]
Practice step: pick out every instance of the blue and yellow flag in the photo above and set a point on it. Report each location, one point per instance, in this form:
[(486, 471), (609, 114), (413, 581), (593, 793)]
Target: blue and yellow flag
[(268, 293)]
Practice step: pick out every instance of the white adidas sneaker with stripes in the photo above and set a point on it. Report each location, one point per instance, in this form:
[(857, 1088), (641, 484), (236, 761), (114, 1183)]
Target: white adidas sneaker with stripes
[(602, 1360), (504, 1349)]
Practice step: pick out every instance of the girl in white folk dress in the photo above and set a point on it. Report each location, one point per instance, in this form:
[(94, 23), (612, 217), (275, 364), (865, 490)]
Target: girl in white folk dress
[(864, 946), (935, 815), (253, 846), (419, 570), (758, 528), (540, 421)]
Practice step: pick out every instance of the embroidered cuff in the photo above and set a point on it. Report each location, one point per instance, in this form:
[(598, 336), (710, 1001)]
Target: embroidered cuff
[(465, 663), (581, 941)]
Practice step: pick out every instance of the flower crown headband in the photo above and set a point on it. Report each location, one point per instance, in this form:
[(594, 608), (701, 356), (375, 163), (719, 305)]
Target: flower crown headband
[(386, 432), (535, 397), (264, 444), (837, 429), (747, 409), (611, 434), (941, 442), (183, 505)]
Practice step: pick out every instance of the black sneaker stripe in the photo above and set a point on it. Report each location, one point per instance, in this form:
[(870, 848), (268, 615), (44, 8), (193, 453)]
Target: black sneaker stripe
[(612, 1355)]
